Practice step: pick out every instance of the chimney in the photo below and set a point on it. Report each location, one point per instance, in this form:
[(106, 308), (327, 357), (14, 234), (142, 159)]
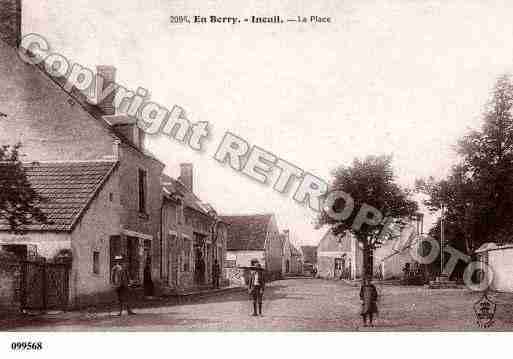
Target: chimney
[(127, 126), (108, 73), (186, 175), (10, 22)]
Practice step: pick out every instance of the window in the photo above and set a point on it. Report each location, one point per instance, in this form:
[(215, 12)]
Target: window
[(115, 249), (111, 197), (179, 212), (186, 254), (142, 191), (96, 262)]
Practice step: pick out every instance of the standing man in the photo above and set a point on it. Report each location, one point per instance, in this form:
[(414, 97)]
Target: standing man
[(216, 272), (147, 280), (119, 278), (369, 297), (256, 286)]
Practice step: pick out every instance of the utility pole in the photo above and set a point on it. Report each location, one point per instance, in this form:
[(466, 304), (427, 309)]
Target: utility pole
[(442, 241)]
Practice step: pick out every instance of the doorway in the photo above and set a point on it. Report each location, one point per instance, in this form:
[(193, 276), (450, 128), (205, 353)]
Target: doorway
[(19, 250), (132, 246), (199, 259)]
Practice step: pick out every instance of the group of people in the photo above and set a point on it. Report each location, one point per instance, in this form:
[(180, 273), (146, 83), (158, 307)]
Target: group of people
[(120, 281), (256, 287)]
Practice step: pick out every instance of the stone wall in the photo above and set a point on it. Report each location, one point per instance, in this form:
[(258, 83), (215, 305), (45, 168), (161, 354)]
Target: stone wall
[(10, 280), (92, 234), (10, 21)]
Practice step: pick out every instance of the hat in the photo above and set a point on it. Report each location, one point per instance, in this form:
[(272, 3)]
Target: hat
[(118, 258)]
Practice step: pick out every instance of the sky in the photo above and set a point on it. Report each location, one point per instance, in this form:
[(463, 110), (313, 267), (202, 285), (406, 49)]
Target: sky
[(406, 78)]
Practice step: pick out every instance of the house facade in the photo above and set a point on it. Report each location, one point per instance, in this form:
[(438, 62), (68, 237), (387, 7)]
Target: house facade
[(296, 261), (390, 260), (194, 237), (56, 126), (292, 263), (254, 237), (499, 258), (394, 255), (286, 253), (339, 256)]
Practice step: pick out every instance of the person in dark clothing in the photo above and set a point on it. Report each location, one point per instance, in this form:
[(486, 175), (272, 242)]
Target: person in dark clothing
[(368, 296), (216, 273), (256, 286), (119, 278), (147, 280), (200, 268)]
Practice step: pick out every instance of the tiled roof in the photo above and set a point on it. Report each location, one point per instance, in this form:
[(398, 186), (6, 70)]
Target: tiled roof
[(247, 232), (68, 188), (190, 200), (331, 242)]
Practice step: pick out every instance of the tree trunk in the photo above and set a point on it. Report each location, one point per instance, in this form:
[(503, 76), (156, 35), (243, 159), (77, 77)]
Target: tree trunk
[(367, 265)]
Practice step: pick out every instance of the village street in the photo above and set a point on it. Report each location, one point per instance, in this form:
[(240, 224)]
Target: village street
[(290, 305)]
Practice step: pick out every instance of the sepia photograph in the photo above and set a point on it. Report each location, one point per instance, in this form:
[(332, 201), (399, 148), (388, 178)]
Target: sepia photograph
[(185, 166)]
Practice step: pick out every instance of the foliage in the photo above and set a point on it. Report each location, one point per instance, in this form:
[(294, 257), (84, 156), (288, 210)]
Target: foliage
[(370, 182), (19, 202), (478, 194)]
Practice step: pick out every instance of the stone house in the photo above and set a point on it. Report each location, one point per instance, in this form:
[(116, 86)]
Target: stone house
[(296, 261), (392, 256), (309, 255), (390, 260), (82, 214), (499, 258), (254, 236), (194, 237), (339, 256), (292, 259), (287, 253), (60, 128)]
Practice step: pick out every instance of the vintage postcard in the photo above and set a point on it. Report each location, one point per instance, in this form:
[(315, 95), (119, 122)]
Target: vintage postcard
[(255, 166)]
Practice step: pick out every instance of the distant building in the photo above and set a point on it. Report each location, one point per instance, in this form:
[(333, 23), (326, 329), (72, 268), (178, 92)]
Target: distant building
[(292, 260), (296, 261), (339, 256), (286, 252), (499, 258), (254, 236), (309, 254), (393, 256), (194, 238)]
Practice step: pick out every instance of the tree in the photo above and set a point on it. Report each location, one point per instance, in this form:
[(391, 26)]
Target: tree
[(370, 183), (462, 204), (478, 193), (19, 202), (488, 160)]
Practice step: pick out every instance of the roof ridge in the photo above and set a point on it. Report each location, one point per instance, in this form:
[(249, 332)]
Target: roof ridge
[(71, 161), (82, 99), (246, 215), (93, 196)]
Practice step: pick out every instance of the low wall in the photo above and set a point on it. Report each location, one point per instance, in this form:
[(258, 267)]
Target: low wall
[(10, 284), (240, 276), (501, 262), (237, 276)]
